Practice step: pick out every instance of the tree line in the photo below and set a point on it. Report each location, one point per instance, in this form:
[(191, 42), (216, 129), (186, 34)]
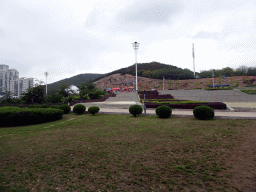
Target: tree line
[(37, 95), (228, 72)]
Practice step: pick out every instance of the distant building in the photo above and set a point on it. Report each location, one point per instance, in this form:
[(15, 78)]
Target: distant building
[(10, 81)]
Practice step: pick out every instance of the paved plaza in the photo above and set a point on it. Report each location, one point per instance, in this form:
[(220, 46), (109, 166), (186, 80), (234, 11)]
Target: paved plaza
[(239, 105)]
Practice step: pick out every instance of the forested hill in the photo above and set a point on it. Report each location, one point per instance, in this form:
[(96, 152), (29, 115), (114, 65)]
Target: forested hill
[(155, 70), (76, 80)]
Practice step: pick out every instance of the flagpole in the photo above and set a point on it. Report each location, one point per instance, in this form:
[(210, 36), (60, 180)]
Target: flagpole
[(193, 54)]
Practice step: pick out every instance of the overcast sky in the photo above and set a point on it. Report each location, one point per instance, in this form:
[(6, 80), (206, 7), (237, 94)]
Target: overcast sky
[(70, 37)]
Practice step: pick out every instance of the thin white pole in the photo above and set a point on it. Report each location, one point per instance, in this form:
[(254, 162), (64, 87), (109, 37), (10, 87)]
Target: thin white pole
[(136, 70), (193, 54), (163, 82), (213, 78), (136, 46)]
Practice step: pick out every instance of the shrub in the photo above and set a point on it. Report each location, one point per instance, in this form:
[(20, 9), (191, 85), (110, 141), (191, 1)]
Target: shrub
[(135, 110), (32, 106), (14, 116), (93, 109), (66, 108), (86, 97), (44, 106), (203, 112), (54, 106), (68, 99), (75, 97), (79, 109), (164, 111), (20, 106)]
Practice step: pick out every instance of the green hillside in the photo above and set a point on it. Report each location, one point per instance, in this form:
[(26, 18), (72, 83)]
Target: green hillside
[(76, 80), (154, 70)]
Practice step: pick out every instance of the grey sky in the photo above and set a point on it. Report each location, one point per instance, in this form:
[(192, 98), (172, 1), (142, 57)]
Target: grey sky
[(66, 38)]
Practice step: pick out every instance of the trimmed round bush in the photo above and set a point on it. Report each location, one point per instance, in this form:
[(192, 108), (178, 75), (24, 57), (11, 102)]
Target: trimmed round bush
[(203, 112), (66, 108), (44, 106), (164, 111), (54, 106), (93, 109), (135, 110), (79, 109)]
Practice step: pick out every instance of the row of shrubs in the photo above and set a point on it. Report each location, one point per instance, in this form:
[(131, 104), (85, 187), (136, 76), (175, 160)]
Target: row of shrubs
[(15, 116), (78, 109), (202, 112)]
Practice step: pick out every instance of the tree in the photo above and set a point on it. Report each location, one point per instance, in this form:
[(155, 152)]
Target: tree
[(34, 95), (241, 71), (147, 74), (53, 98), (65, 90), (251, 71), (7, 98), (87, 88), (227, 71)]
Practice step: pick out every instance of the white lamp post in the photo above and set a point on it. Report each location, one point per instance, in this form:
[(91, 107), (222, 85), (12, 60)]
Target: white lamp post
[(136, 46), (46, 74), (213, 78)]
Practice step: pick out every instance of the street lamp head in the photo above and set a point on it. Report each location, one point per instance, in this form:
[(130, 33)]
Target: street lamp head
[(135, 45), (46, 74)]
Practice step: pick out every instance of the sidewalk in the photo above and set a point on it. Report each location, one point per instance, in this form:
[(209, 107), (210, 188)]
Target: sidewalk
[(219, 114)]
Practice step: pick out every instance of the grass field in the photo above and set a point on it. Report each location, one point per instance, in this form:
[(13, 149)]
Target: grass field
[(123, 153)]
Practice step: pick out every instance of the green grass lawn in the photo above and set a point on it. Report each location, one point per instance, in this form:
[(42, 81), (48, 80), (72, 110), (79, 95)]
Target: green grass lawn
[(124, 153), (249, 91)]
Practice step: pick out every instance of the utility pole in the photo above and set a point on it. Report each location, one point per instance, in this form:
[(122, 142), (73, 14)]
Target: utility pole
[(193, 54), (46, 74)]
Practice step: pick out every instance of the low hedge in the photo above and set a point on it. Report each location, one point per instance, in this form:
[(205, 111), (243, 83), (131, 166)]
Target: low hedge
[(214, 105), (15, 116)]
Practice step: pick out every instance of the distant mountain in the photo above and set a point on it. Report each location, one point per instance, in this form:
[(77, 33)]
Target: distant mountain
[(75, 80)]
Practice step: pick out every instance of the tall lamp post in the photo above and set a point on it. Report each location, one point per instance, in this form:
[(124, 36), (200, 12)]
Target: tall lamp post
[(136, 46), (46, 74)]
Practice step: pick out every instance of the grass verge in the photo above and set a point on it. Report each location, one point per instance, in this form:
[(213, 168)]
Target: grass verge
[(249, 91), (123, 153)]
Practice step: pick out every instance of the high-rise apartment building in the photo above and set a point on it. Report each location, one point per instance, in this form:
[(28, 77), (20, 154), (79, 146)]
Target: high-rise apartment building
[(10, 81)]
